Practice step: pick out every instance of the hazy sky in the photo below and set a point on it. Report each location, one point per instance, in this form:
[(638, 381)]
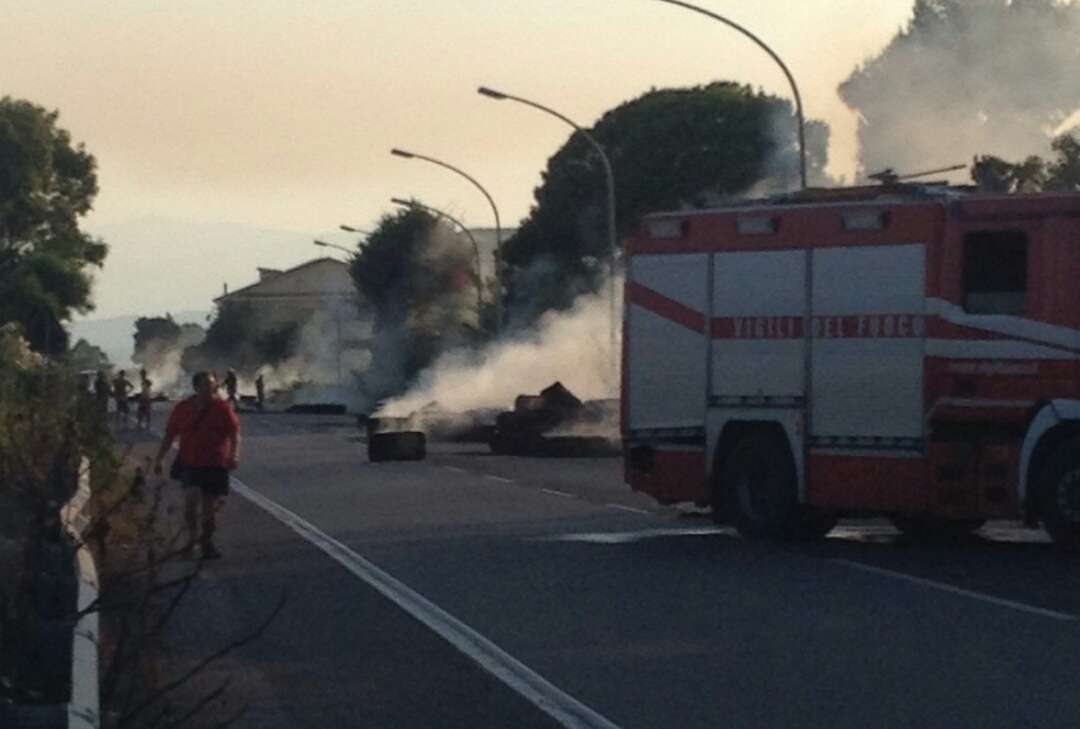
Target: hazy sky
[(280, 115)]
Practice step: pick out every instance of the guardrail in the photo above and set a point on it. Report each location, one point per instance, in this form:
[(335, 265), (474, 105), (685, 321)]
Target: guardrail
[(84, 706), (51, 651)]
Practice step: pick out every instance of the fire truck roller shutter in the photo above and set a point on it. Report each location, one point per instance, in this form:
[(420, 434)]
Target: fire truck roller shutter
[(869, 339), (759, 304)]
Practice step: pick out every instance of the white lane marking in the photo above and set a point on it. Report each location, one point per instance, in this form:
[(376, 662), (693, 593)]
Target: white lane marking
[(629, 508), (1001, 602), (455, 469), (556, 493), (629, 537), (559, 705), (499, 478)]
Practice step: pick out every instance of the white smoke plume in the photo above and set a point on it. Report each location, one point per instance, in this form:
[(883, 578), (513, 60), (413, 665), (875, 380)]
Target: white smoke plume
[(162, 363), (967, 78), (572, 347)]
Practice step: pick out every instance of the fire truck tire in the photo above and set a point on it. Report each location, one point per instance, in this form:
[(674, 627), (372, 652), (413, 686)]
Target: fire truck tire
[(759, 488), (1059, 496), (924, 527)]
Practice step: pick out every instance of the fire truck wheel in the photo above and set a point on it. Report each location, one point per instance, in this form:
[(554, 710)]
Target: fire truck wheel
[(760, 491), (1059, 495)]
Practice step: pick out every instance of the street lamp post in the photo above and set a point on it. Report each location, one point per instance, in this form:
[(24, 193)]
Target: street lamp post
[(498, 226), (335, 311), (324, 244), (472, 239), (779, 62), (609, 178)]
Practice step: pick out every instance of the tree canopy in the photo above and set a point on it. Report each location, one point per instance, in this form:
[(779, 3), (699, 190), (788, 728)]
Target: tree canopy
[(966, 78), (159, 337), (420, 278), (85, 356), (1033, 174), (46, 184), (240, 339), (669, 148)]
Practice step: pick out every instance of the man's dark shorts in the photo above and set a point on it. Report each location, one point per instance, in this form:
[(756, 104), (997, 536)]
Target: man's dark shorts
[(212, 480)]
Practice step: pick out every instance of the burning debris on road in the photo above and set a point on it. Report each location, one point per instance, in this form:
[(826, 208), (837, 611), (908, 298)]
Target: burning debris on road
[(557, 424), (554, 424)]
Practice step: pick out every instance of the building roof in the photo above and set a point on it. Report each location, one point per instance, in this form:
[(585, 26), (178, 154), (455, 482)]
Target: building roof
[(319, 278)]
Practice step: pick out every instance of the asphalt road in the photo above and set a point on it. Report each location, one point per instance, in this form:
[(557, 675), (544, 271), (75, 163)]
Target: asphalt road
[(470, 590)]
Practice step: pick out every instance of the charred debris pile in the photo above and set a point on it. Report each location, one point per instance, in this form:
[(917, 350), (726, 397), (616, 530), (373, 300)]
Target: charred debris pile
[(554, 423)]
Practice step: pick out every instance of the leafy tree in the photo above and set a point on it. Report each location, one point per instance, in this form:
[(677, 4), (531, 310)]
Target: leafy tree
[(965, 78), (152, 330), (240, 338), (86, 356), (1034, 174), (46, 185), (1064, 172), (227, 342), (669, 148), (159, 337), (420, 279), (277, 344)]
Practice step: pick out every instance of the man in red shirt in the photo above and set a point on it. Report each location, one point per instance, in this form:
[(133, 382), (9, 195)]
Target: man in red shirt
[(209, 433)]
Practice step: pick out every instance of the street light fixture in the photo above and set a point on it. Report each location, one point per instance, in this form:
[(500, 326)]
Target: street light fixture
[(779, 62), (498, 225), (476, 248), (324, 244), (609, 178), (350, 229)]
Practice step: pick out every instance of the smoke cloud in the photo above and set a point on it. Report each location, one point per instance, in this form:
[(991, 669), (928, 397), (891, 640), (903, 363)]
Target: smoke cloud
[(572, 347), (967, 78)]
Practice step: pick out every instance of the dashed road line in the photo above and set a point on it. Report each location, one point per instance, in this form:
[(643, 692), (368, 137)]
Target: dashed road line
[(630, 509), (556, 703), (945, 587), (499, 478), (555, 492), (455, 469)]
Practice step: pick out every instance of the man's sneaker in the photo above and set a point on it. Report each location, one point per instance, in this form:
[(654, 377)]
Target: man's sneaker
[(209, 552)]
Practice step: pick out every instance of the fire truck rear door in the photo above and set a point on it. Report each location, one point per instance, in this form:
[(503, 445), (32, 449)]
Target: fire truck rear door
[(666, 344)]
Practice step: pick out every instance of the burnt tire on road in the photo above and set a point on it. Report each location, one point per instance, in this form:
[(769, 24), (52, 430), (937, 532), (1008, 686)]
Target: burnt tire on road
[(405, 445)]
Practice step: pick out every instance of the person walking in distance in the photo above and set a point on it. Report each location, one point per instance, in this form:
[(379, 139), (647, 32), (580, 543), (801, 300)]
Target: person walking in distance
[(121, 386), (260, 391), (230, 386), (142, 414), (209, 433), (102, 391)]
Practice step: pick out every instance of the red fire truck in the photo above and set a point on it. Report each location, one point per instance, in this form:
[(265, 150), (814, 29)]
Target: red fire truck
[(904, 350)]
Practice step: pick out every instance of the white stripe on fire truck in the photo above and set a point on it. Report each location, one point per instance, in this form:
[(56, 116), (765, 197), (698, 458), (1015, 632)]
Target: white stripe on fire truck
[(994, 349), (1023, 332), (1014, 326)]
